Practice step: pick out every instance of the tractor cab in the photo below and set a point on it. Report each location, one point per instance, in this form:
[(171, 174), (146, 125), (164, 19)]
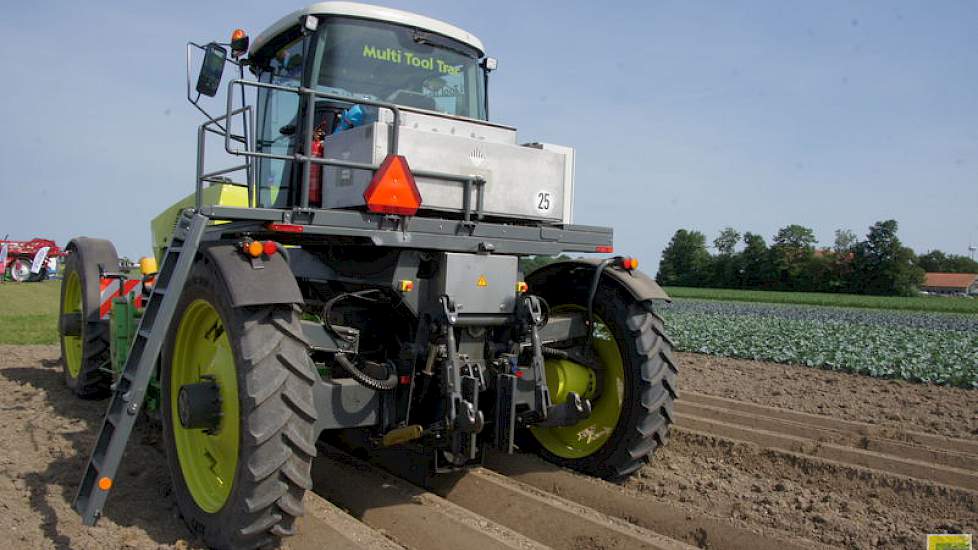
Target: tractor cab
[(342, 90), (358, 52)]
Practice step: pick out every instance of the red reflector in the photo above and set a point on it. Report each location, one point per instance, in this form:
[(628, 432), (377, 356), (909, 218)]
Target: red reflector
[(518, 373), (405, 379), (269, 248), (604, 249), (393, 191), (285, 227)]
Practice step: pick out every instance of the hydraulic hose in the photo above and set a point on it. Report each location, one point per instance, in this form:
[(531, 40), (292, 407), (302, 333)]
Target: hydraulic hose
[(363, 379)]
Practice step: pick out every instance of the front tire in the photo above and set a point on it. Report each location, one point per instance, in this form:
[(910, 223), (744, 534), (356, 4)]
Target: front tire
[(632, 413), (242, 485), (85, 343)]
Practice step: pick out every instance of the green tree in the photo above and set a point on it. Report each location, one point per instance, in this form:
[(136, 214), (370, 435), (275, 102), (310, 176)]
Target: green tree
[(937, 261), (792, 248), (755, 268), (882, 265), (934, 261), (961, 264), (845, 240), (726, 241), (685, 261), (726, 262)]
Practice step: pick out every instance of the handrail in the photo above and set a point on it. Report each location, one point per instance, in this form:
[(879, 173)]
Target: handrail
[(307, 159), (201, 152)]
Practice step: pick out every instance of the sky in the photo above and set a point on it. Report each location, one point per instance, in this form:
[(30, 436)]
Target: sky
[(699, 115)]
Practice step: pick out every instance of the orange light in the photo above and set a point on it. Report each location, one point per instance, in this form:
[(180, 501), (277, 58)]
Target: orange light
[(254, 249), (629, 263), (393, 190), (522, 287), (604, 249), (105, 483), (407, 285), (239, 43), (269, 248), (285, 227)]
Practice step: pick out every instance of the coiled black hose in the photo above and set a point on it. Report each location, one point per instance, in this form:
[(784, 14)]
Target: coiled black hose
[(363, 379)]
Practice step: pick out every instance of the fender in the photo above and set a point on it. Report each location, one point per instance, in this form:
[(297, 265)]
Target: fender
[(274, 283), (637, 283)]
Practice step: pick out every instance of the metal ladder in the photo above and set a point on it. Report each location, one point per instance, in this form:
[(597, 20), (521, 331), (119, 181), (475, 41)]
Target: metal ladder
[(130, 390)]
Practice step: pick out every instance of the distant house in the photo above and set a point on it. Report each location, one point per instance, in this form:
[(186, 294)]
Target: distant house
[(951, 284)]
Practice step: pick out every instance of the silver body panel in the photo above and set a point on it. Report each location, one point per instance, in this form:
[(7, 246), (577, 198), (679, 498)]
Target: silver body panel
[(478, 283), (526, 183)]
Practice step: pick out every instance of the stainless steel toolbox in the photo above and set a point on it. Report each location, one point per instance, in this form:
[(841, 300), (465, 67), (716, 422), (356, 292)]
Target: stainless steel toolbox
[(524, 182)]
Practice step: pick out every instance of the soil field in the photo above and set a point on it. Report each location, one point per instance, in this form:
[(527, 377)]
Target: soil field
[(763, 456)]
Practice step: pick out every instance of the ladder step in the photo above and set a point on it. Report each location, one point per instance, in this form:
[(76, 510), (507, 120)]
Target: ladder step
[(130, 390)]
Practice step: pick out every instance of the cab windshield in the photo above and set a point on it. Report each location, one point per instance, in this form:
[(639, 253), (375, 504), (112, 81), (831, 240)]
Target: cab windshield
[(410, 67)]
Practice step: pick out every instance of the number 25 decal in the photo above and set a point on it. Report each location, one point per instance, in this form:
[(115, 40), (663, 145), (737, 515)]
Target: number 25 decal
[(543, 201)]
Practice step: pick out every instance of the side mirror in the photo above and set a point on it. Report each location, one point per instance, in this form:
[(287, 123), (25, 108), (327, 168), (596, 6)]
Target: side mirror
[(211, 69)]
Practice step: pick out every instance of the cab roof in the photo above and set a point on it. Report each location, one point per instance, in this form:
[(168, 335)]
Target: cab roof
[(367, 11)]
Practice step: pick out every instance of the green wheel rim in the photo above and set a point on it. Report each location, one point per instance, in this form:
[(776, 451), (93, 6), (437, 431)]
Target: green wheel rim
[(208, 461), (72, 303), (588, 436)]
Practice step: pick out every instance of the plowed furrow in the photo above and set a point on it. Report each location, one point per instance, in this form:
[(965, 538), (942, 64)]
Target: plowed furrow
[(546, 517), (613, 500), (875, 431), (770, 428), (409, 515), (864, 439)]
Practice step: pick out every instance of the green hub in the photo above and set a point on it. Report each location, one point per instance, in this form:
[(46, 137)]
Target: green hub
[(72, 303), (208, 457), (563, 376)]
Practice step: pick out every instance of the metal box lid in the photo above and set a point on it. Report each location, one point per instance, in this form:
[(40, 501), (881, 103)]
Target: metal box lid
[(521, 182)]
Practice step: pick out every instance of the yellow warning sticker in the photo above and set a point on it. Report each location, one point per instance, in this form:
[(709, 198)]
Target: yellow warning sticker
[(482, 281), (949, 542)]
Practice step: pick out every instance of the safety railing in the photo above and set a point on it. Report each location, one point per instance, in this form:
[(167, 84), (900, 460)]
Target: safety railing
[(213, 125), (306, 158)]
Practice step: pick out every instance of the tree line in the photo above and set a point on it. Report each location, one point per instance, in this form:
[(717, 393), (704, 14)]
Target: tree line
[(877, 264)]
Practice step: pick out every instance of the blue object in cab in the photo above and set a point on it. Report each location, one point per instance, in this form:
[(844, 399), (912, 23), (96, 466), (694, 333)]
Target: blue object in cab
[(350, 118)]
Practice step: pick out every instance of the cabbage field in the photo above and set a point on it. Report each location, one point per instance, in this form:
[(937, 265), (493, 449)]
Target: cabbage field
[(939, 348)]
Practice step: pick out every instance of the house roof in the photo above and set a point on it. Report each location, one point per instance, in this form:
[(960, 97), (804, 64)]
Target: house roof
[(949, 280)]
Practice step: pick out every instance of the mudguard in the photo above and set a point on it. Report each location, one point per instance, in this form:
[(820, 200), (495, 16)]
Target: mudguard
[(248, 285), (638, 284)]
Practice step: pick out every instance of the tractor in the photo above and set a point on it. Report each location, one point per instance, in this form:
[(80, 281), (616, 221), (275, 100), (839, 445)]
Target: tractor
[(355, 278), (25, 261)]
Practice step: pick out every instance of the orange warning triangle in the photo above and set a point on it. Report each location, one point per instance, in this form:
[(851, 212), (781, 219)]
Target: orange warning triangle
[(393, 190)]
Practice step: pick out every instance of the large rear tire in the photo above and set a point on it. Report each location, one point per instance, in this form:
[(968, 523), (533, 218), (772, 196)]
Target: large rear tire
[(239, 486), (84, 335), (632, 410)]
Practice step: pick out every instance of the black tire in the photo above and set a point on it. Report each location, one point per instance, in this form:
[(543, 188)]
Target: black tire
[(277, 444), (85, 257), (650, 377)]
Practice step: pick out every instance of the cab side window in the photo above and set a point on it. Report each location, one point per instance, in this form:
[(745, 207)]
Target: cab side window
[(277, 118)]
